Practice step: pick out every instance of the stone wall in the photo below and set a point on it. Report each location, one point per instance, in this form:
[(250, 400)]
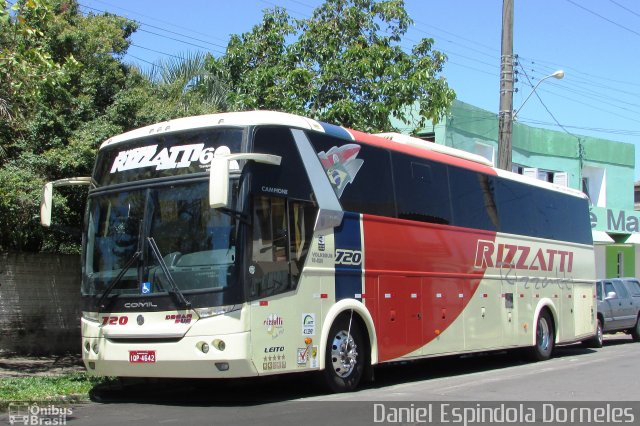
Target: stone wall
[(39, 303)]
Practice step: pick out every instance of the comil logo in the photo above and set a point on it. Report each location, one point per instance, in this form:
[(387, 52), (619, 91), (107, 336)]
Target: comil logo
[(22, 413)]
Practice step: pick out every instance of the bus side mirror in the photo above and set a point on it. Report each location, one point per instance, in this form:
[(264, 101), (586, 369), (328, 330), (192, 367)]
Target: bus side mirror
[(219, 181), (46, 204)]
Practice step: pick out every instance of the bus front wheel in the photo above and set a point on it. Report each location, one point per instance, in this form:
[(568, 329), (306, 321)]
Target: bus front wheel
[(345, 355)]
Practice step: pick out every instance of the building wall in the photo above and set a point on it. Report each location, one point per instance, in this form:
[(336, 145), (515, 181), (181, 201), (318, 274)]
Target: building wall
[(467, 126), (39, 303)]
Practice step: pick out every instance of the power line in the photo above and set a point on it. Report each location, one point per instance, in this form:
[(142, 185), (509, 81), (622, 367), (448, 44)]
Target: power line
[(591, 129), (577, 87), (168, 31), (156, 51), (625, 8), (143, 60), (578, 71), (471, 68), (604, 18), (158, 20), (174, 39), (458, 36), (543, 104)]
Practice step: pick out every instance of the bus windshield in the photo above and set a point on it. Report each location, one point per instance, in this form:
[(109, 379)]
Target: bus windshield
[(197, 243)]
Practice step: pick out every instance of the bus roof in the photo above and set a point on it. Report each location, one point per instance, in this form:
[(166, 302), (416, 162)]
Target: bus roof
[(393, 141)]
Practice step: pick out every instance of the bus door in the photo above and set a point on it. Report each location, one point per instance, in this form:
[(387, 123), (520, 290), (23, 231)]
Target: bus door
[(284, 313)]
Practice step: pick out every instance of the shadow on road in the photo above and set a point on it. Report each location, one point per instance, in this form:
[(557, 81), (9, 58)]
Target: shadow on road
[(265, 390)]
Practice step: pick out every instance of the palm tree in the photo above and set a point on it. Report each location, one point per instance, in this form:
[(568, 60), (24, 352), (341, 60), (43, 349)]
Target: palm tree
[(189, 85)]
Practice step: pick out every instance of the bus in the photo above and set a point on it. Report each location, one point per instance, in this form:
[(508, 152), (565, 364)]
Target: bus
[(258, 243)]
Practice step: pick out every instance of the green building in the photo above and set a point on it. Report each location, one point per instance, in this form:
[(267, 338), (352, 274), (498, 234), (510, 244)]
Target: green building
[(603, 169)]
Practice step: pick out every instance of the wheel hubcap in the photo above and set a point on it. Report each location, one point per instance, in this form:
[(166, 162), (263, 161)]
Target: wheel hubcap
[(543, 334), (599, 332), (344, 354)]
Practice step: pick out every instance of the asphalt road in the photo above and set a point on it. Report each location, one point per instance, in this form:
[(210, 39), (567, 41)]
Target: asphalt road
[(575, 374)]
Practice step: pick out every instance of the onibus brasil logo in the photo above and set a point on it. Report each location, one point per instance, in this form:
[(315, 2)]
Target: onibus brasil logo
[(26, 413)]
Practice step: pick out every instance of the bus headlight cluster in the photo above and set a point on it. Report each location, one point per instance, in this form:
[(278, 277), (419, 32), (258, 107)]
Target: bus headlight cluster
[(218, 344)]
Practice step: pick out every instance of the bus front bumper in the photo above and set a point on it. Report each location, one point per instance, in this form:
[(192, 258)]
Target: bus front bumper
[(170, 359)]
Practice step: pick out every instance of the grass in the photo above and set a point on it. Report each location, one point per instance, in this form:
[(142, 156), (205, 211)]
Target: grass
[(72, 387)]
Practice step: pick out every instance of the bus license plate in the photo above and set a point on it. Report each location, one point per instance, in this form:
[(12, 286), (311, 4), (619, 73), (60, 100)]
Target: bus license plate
[(142, 356)]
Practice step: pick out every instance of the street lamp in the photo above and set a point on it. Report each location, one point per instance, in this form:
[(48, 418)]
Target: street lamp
[(558, 74), (506, 117)]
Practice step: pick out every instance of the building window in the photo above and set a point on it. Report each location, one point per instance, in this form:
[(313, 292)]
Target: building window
[(551, 176), (594, 183), (585, 188), (620, 269), (485, 151)]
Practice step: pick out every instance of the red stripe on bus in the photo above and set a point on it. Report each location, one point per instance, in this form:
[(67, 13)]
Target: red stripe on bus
[(437, 264)]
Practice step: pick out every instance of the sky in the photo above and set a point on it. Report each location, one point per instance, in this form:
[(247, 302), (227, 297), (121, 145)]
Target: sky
[(595, 42)]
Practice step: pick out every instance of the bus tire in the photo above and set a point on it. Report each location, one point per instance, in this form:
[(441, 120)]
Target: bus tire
[(545, 338), (597, 340), (345, 356), (635, 331)]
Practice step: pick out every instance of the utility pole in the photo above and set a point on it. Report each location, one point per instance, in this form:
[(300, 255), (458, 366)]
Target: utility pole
[(505, 118)]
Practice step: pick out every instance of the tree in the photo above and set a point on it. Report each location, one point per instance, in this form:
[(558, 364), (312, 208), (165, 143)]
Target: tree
[(64, 90), (61, 71), (187, 87), (343, 65)]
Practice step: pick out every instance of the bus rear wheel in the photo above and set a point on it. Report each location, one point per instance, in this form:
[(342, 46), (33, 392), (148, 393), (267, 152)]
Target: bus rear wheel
[(541, 351), (345, 356), (597, 340)]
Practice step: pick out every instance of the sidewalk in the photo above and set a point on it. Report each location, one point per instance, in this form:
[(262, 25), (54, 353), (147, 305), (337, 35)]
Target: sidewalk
[(20, 366)]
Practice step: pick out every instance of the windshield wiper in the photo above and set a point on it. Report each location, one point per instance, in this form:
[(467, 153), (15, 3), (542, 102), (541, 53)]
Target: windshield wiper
[(175, 291), (100, 304)]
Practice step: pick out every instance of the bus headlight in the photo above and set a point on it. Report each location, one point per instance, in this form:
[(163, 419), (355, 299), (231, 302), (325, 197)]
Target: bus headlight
[(216, 310), (219, 344)]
